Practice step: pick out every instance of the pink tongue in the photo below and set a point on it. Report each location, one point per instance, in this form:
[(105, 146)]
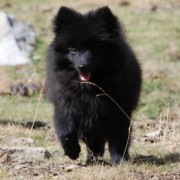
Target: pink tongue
[(85, 76)]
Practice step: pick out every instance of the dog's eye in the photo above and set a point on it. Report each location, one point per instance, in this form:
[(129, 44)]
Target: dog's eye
[(73, 51)]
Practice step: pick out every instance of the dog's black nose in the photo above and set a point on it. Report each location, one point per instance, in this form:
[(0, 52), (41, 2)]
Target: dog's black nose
[(83, 67)]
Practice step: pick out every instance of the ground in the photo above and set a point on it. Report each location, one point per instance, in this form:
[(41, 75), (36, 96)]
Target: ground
[(153, 28), (148, 159)]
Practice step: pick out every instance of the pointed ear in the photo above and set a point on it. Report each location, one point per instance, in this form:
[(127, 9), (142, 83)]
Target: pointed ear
[(105, 15), (104, 12), (64, 17)]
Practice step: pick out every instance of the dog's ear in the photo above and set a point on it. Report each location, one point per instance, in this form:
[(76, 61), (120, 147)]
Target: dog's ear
[(104, 18), (104, 12), (64, 17), (105, 15)]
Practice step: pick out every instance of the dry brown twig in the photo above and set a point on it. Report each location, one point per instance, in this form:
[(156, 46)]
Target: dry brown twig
[(120, 108), (37, 108), (166, 127)]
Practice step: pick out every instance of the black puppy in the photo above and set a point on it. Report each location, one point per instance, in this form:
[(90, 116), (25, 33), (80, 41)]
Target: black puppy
[(92, 48)]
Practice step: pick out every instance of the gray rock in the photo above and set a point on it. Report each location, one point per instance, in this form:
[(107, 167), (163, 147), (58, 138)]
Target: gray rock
[(25, 153), (16, 41)]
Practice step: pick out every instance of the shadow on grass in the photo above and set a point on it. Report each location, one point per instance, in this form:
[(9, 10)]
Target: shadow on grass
[(169, 158), (25, 123), (140, 159)]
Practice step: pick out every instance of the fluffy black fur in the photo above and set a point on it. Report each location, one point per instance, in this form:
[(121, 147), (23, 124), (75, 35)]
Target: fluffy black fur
[(92, 47)]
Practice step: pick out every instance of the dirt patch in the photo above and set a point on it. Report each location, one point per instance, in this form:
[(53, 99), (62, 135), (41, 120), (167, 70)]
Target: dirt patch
[(44, 169), (17, 162), (31, 169), (150, 176)]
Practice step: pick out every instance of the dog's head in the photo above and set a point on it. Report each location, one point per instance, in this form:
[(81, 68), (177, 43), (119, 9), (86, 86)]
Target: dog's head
[(85, 42)]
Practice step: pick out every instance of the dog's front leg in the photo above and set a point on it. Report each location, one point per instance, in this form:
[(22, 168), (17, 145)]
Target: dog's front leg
[(67, 134)]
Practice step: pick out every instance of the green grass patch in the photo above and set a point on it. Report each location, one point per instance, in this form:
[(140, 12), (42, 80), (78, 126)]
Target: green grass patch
[(22, 108)]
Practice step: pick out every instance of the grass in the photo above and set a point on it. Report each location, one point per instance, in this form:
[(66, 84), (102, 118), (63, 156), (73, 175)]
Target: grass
[(21, 108), (155, 37)]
